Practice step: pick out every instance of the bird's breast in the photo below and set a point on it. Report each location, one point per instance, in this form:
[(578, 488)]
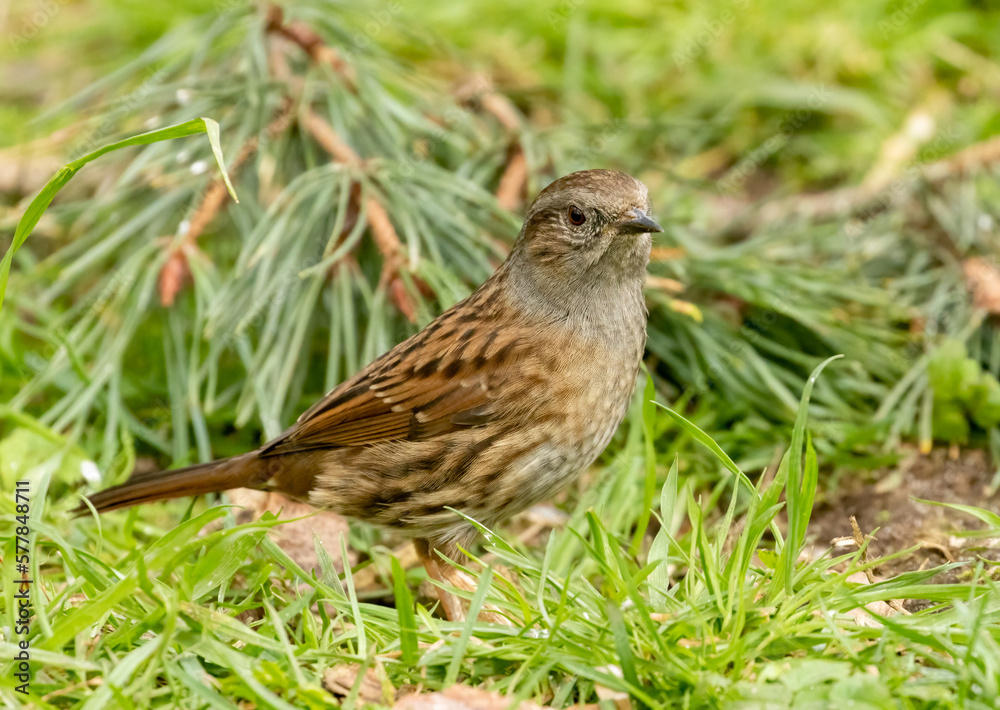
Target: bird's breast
[(596, 382)]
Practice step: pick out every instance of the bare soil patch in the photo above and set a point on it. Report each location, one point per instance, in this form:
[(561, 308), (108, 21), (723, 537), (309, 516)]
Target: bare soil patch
[(885, 503)]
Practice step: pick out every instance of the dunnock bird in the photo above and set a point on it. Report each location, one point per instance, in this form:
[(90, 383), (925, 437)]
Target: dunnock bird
[(491, 408)]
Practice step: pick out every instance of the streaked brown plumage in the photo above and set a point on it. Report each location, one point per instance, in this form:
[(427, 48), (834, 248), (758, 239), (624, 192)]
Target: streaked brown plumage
[(492, 407)]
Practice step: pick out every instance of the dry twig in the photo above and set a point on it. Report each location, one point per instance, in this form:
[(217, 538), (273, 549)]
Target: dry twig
[(859, 540), (846, 201), (311, 43)]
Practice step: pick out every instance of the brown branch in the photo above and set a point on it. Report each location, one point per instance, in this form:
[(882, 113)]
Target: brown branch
[(310, 42), (175, 270), (846, 201), (329, 140), (982, 279), (171, 278), (503, 109), (970, 160), (401, 297), (216, 194), (513, 181), (383, 232), (859, 540)]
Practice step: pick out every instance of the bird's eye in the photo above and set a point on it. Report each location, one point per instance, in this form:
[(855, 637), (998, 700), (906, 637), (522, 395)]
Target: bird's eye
[(576, 216)]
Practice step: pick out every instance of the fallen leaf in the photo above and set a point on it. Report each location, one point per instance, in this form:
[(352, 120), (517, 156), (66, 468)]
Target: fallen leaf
[(513, 181), (295, 538), (685, 308), (860, 615), (463, 697), (665, 253), (662, 283), (982, 278), (172, 276), (621, 699), (340, 679), (502, 108)]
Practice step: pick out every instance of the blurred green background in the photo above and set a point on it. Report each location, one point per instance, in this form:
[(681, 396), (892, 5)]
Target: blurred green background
[(807, 159)]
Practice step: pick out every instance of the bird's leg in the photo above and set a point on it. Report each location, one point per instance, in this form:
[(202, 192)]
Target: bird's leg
[(439, 571), (444, 573)]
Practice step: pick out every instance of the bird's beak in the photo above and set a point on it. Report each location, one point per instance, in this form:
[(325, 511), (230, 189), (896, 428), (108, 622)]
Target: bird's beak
[(640, 224)]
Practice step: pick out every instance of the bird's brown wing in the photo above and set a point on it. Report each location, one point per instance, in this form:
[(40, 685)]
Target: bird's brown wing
[(444, 378)]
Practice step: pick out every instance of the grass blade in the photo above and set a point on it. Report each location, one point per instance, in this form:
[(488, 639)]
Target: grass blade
[(44, 198)]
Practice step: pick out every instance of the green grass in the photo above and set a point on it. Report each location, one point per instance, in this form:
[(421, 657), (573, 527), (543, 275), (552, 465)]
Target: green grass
[(700, 86), (699, 618)]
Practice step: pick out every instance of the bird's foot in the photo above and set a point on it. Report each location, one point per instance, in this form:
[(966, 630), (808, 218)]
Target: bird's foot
[(444, 574)]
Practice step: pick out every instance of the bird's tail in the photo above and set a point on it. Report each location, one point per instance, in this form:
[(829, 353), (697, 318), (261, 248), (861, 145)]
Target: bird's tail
[(212, 477)]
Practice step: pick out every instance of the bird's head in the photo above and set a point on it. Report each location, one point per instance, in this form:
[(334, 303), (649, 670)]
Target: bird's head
[(588, 230)]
